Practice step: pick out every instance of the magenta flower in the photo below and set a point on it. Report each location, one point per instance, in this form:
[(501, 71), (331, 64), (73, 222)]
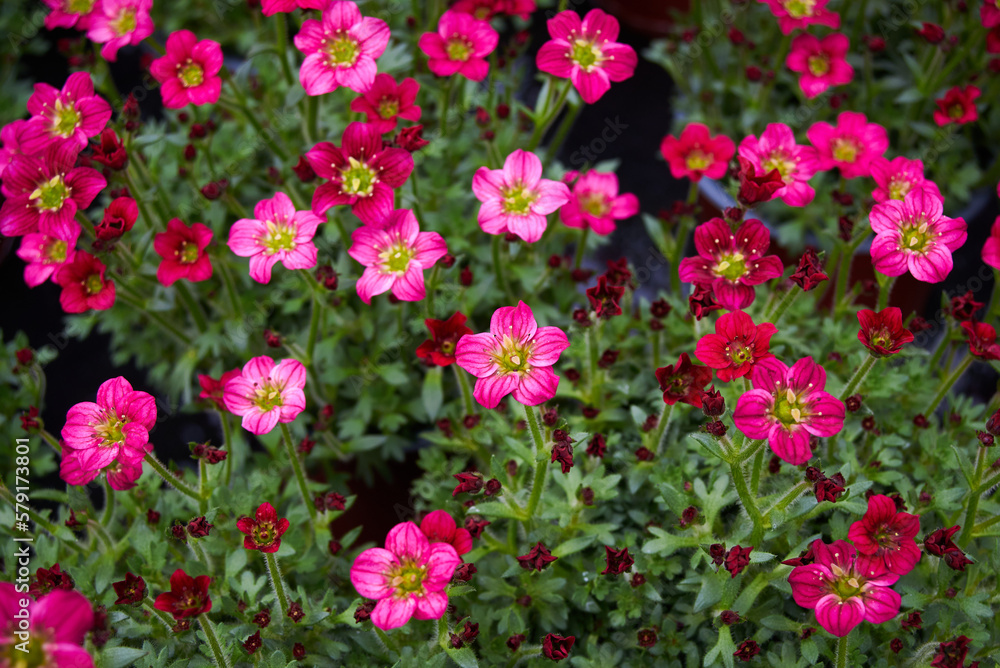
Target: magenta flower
[(118, 23), (276, 233), (408, 577), (731, 264), (843, 595), (989, 13), (271, 7), (115, 430), (851, 146), (362, 173), (386, 102), (182, 250), (596, 204), (820, 64), (898, 177), (787, 405), (83, 284), (340, 49), (75, 113), (266, 393), (70, 14), (516, 198), (459, 46), (697, 154), (189, 71), (586, 52), (991, 249), (736, 346), (440, 527), (484, 10), (515, 356), (12, 137), (957, 106), (46, 254), (44, 192), (395, 257), (57, 625), (885, 538), (796, 14), (913, 235), (776, 149)]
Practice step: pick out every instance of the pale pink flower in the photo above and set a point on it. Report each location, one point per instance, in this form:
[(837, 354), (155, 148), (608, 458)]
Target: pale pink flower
[(851, 145), (776, 149), (820, 64), (515, 356), (459, 46), (586, 52), (841, 593), (408, 577), (914, 235), (74, 113), (596, 204), (395, 257), (12, 137), (99, 437), (795, 14), (46, 254), (70, 13), (386, 102), (266, 393), (277, 233), (897, 177), (57, 625), (991, 249), (189, 71), (516, 198), (787, 406), (118, 23), (341, 49)]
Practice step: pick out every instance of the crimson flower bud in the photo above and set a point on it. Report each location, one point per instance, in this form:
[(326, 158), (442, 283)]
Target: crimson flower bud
[(467, 482)]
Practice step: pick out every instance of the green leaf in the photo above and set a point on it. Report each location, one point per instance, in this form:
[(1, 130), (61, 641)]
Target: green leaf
[(710, 593), (498, 509), (723, 650), (572, 545), (709, 444), (119, 657), (464, 657), (235, 562), (810, 652), (433, 394)]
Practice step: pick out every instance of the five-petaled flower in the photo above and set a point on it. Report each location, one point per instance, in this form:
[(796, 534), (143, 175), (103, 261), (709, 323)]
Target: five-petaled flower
[(617, 561), (557, 647), (604, 298), (896, 177), (459, 46), (55, 626), (795, 14), (820, 64), (957, 106), (696, 154), (516, 198), (736, 345), (537, 558), (189, 71), (118, 23), (131, 590), (982, 339), (851, 145), (72, 114), (776, 149), (188, 596), (276, 233), (445, 334), (885, 537), (595, 203), (266, 393), (440, 527), (683, 381), (182, 249), (809, 273), (386, 102), (264, 530), (883, 333)]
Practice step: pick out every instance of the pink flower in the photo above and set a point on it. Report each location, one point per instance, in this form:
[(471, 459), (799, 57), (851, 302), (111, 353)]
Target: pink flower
[(440, 527), (484, 10), (70, 14), (989, 14), (697, 154), (408, 578), (913, 235), (362, 173), (75, 113), (596, 204), (851, 146), (340, 49), (795, 14), (957, 106), (459, 46), (982, 340), (46, 254), (97, 437), (776, 149), (183, 251), (386, 102), (515, 356), (271, 7), (57, 624), (586, 52), (189, 71), (44, 192), (787, 405), (516, 198), (731, 264), (821, 64), (991, 249), (898, 177), (212, 389), (841, 593), (885, 538), (83, 285), (276, 233), (118, 23), (266, 393), (395, 257), (736, 346), (12, 137)]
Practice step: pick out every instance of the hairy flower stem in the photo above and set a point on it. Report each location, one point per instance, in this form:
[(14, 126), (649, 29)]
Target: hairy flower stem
[(498, 267), (227, 436), (885, 290), (108, 516), (680, 241), (171, 479), (160, 614), (445, 104), (974, 495), (463, 384), (842, 652), (204, 490), (274, 573), (581, 247), (660, 434), (128, 296), (785, 501), (774, 316), (548, 115), (281, 46), (947, 383), (859, 377), (749, 503), (192, 306), (221, 660), (541, 463), (314, 323), (300, 477), (758, 464)]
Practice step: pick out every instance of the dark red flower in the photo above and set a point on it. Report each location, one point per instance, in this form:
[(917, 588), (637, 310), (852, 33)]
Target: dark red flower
[(467, 482), (556, 647), (587, 496), (957, 106), (411, 138), (956, 560), (590, 412), (50, 579), (938, 542), (327, 277), (886, 537), (618, 561), (913, 620), (514, 642), (608, 358), (295, 612), (716, 428), (440, 348), (933, 33), (829, 489), (638, 579), (660, 309), (363, 611), (896, 645), (728, 617), (298, 651), (199, 527), (747, 650), (688, 516), (110, 152), (131, 590), (263, 618), (618, 272), (188, 596), (853, 403), (152, 517), (475, 526), (874, 43), (644, 454), (208, 453), (982, 339), (263, 531), (212, 389), (883, 332), (756, 188), (465, 276), (683, 381), (562, 452), (737, 559), (993, 424), (963, 307), (604, 298), (537, 558), (253, 643), (718, 553), (493, 486), (919, 324), (646, 637), (465, 572), (83, 285), (810, 272), (469, 632), (951, 654), (702, 301), (804, 559), (28, 421)]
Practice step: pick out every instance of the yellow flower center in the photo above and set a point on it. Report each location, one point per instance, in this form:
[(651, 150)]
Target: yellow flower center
[(358, 178), (191, 74), (51, 195), (342, 50)]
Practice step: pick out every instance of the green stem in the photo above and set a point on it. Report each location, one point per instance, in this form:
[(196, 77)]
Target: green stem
[(297, 467), (785, 501), (680, 241), (842, 652), (942, 346), (463, 383), (859, 376), (974, 496), (749, 503), (581, 248), (445, 105), (134, 302), (281, 46), (227, 435), (279, 587), (656, 349), (564, 127), (50, 439), (227, 281), (758, 464), (660, 433), (541, 463), (109, 504), (193, 307), (314, 320), (167, 620), (498, 267), (221, 660), (783, 305), (171, 479), (203, 487), (241, 105), (947, 384), (884, 292), (994, 305), (548, 115)]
